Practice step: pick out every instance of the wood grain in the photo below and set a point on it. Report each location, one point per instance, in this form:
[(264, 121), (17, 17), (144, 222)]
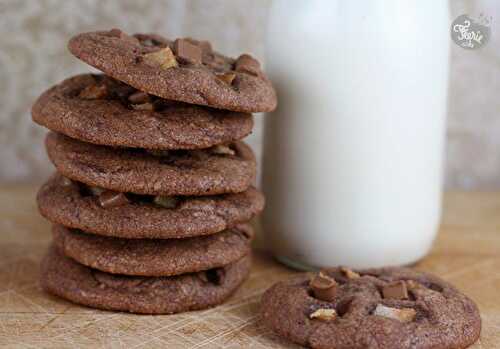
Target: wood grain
[(466, 253)]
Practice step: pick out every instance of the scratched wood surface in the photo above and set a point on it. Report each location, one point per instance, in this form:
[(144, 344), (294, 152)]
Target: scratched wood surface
[(467, 253)]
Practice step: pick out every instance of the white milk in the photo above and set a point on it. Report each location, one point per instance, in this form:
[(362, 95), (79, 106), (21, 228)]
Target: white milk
[(353, 155)]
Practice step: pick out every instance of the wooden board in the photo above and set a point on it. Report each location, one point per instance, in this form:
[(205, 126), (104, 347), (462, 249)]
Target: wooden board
[(467, 253)]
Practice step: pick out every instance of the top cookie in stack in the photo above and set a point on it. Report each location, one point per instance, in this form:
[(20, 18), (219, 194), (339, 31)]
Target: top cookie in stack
[(153, 181)]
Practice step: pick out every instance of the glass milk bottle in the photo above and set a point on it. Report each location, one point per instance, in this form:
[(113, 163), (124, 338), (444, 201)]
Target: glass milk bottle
[(353, 155)]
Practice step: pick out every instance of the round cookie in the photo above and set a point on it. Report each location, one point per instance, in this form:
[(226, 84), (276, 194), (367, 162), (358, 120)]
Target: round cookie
[(148, 257), (184, 70), (65, 278), (378, 308), (184, 172), (73, 205), (100, 110)]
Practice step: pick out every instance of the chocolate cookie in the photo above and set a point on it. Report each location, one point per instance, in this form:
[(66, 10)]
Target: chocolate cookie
[(65, 278), (378, 308), (217, 170), (100, 110), (184, 70), (149, 257), (77, 206)]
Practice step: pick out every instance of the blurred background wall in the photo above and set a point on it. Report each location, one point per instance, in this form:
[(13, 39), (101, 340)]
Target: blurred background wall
[(33, 56)]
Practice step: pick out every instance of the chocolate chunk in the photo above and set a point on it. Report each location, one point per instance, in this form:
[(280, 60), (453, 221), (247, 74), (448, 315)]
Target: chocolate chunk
[(117, 33), (189, 83), (247, 64), (139, 97), (163, 58), (111, 198), (323, 287), (165, 201), (143, 106), (324, 315), (205, 46), (364, 320), (93, 92), (403, 314), (349, 273), (222, 150), (187, 52), (395, 290), (226, 77)]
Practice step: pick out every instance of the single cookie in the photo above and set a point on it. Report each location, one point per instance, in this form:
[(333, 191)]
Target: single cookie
[(75, 205), (184, 70), (100, 110), (378, 308), (65, 278), (148, 257), (217, 170)]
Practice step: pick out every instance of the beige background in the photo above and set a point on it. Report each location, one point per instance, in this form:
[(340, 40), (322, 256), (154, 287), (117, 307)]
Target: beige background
[(33, 35)]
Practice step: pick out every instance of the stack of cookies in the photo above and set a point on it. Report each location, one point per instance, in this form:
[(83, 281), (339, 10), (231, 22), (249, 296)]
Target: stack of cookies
[(154, 189)]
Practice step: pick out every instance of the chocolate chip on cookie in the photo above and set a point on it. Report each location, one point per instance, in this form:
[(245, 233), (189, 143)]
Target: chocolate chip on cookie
[(77, 206), (395, 290), (111, 198), (187, 52), (184, 70), (375, 308), (162, 58)]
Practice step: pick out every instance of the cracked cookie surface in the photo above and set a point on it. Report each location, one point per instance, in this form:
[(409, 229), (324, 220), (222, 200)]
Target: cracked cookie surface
[(73, 205), (373, 308), (154, 257), (67, 279), (184, 70), (181, 172), (119, 115)]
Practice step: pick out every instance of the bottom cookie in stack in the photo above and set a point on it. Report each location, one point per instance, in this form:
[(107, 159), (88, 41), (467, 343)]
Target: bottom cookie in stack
[(147, 276)]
